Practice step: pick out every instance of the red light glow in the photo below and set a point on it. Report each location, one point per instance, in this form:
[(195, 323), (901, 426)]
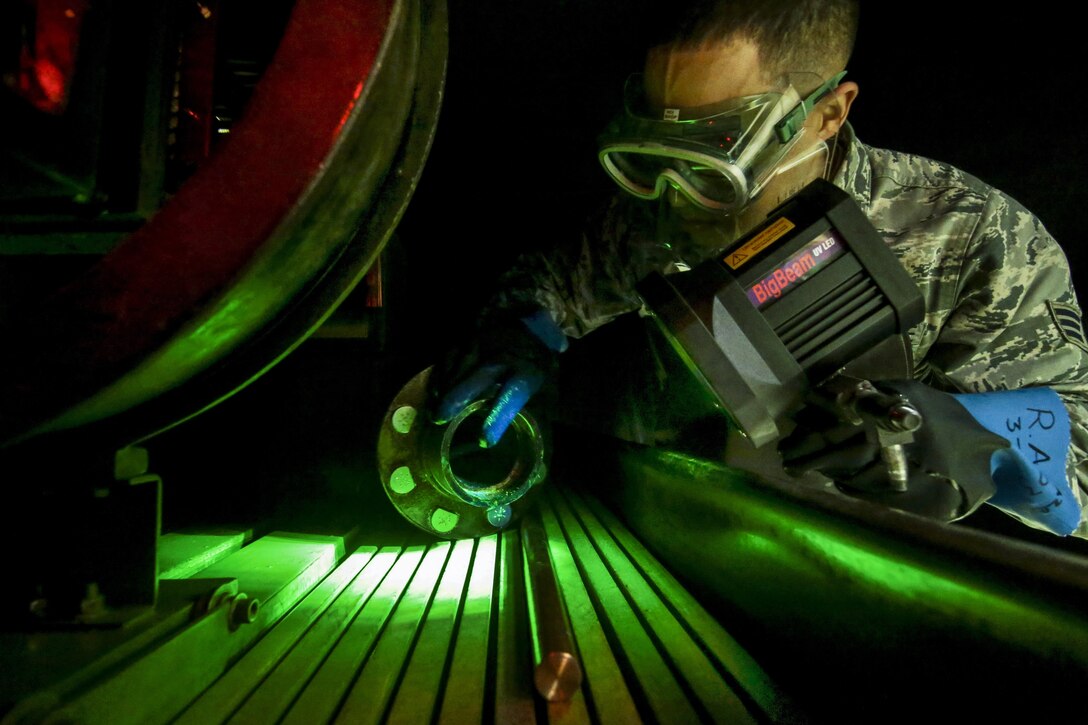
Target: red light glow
[(347, 111), (47, 61)]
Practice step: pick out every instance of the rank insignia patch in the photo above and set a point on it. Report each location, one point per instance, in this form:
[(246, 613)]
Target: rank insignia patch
[(1067, 319)]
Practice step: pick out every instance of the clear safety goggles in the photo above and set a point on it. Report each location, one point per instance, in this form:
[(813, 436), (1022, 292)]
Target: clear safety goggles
[(719, 156)]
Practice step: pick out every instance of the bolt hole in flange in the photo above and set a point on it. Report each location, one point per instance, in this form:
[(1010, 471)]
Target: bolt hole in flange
[(440, 479)]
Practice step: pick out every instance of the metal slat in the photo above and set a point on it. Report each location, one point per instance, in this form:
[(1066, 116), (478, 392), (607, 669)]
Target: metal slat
[(571, 712), (442, 633), (322, 696), (672, 640), (183, 555), (463, 699), (421, 685), (653, 678), (278, 569), (611, 700), (290, 675), (229, 691), (373, 689), (731, 659), (513, 675)]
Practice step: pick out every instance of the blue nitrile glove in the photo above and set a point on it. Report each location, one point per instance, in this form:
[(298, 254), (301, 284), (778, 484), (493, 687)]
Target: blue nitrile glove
[(1030, 475), (979, 441), (507, 361)]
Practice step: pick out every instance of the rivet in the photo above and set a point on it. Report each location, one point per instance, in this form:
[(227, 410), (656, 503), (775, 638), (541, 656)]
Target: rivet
[(499, 516)]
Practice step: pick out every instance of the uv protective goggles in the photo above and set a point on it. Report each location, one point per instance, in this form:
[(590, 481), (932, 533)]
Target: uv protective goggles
[(718, 156)]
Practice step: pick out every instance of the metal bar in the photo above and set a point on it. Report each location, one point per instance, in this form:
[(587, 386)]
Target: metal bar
[(671, 639), (183, 555), (321, 698), (649, 672), (221, 699), (439, 633), (611, 700), (730, 658), (372, 691), (514, 701), (463, 699), (556, 671), (421, 685)]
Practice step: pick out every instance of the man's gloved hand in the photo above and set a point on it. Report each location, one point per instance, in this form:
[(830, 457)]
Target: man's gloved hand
[(948, 456), (508, 360), (1007, 447)]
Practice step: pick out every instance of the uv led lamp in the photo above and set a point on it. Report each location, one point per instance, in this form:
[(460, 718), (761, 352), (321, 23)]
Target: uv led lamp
[(807, 292)]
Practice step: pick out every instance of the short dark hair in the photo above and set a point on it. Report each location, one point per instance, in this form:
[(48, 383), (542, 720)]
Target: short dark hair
[(815, 36)]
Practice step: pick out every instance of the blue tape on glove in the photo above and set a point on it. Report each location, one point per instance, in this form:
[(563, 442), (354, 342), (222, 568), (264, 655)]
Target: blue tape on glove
[(482, 380), (522, 381), (1030, 477), (515, 394), (522, 385)]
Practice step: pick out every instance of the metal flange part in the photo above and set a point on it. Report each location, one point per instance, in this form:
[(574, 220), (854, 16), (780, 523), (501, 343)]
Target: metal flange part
[(440, 479)]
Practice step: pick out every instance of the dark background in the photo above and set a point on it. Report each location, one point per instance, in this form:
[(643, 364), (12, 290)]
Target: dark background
[(531, 84)]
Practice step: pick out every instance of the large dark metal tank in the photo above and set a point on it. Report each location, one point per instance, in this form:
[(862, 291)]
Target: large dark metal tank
[(693, 592)]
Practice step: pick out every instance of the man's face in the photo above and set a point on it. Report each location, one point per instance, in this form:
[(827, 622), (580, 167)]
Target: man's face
[(688, 77)]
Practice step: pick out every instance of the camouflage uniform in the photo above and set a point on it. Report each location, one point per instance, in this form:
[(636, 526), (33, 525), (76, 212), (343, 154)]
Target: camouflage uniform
[(1001, 312)]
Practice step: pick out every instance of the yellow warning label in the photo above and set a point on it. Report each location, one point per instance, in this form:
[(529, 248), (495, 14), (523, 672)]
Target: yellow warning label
[(758, 243)]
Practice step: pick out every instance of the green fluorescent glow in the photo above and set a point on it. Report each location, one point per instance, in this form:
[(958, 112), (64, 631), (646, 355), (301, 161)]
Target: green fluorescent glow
[(217, 330), (766, 540), (604, 679), (464, 694), (322, 696), (453, 579), (369, 695), (482, 583), (870, 569), (430, 569), (1010, 619), (534, 623), (421, 684)]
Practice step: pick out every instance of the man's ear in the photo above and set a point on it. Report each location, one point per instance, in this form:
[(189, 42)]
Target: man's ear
[(832, 110)]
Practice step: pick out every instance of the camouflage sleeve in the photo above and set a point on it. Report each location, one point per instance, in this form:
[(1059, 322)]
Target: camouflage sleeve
[(590, 280), (1016, 323)]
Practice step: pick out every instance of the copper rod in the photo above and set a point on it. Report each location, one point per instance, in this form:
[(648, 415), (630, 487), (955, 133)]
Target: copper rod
[(557, 673)]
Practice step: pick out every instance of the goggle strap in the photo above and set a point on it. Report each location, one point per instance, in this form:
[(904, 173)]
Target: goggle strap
[(791, 123)]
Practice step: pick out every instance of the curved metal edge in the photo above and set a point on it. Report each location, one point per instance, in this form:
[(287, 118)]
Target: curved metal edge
[(309, 311), (311, 306), (146, 289), (298, 249)]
